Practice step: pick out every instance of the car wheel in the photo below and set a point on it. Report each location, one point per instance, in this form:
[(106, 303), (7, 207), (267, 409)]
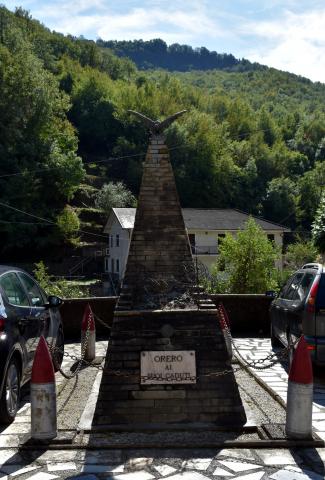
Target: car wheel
[(275, 342), (9, 401), (57, 356)]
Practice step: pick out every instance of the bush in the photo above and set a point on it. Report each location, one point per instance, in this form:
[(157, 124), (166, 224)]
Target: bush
[(61, 288), (246, 263), (299, 253), (114, 195), (69, 224)]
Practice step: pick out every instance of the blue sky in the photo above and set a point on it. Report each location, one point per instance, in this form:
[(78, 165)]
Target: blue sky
[(289, 35)]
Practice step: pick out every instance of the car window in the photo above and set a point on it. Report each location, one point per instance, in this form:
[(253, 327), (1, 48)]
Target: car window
[(285, 288), (33, 290), (305, 286), (292, 291), (13, 289), (320, 299)]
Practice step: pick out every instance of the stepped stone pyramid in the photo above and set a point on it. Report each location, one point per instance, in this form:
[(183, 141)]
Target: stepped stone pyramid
[(160, 259), (148, 322)]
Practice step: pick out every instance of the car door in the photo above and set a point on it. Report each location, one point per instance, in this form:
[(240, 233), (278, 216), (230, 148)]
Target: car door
[(18, 310), (276, 311), (291, 305), (39, 313), (297, 302)]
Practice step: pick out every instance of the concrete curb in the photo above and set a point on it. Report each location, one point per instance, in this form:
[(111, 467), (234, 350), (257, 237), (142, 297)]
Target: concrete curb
[(261, 382)]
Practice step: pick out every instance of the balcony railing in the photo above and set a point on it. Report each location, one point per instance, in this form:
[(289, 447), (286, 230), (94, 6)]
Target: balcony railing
[(204, 249)]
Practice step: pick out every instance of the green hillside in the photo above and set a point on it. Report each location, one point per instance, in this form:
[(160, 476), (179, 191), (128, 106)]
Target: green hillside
[(274, 88), (157, 54), (252, 139)]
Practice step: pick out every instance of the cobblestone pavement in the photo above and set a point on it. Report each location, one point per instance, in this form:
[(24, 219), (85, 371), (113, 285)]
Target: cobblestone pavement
[(276, 377), (172, 464)]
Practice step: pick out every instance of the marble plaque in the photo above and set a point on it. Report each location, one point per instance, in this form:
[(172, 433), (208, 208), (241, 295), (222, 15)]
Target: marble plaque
[(168, 367)]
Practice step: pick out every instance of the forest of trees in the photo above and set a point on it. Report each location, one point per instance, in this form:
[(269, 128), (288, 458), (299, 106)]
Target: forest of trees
[(157, 54), (253, 140)]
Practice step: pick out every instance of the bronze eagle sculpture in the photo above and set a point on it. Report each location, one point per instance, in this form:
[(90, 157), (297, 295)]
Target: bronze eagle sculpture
[(156, 126)]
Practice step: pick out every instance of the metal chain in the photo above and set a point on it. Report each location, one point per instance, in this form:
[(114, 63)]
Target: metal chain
[(80, 361), (272, 358), (120, 373), (101, 321)]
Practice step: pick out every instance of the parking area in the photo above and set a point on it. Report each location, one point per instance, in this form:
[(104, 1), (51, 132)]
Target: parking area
[(93, 458)]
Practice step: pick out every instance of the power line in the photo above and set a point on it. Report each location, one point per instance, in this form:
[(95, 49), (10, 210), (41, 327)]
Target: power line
[(24, 223), (49, 221), (236, 137), (57, 168)]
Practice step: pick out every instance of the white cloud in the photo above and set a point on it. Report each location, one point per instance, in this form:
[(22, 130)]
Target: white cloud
[(174, 23), (295, 42)]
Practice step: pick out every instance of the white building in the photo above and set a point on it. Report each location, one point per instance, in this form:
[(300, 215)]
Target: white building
[(205, 227)]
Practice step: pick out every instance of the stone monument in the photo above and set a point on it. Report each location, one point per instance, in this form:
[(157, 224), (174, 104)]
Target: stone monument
[(167, 361)]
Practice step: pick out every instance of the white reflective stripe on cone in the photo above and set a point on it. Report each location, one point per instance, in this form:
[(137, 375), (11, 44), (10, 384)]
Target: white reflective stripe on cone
[(90, 352), (43, 411), (299, 410)]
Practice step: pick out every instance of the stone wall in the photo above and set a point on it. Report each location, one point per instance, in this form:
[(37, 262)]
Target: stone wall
[(248, 313), (72, 311)]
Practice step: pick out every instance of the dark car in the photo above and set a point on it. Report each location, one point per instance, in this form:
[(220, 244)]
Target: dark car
[(26, 313), (300, 309)]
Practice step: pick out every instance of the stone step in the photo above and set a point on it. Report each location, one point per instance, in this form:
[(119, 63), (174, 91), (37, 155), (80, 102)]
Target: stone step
[(124, 303), (126, 295)]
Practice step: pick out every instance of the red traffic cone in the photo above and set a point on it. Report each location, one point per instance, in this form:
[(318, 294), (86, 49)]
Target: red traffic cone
[(225, 331), (300, 394), (88, 335), (43, 394), (223, 311)]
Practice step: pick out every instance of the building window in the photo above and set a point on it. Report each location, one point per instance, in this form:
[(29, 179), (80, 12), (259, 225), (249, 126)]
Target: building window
[(270, 237), (191, 237), (112, 241), (112, 265), (117, 265), (117, 240), (106, 264)]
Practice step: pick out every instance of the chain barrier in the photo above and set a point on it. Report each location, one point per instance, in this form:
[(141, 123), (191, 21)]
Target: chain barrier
[(80, 361), (271, 358), (101, 321), (120, 373)]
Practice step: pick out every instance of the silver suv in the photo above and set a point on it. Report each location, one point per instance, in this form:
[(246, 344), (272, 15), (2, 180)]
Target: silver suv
[(300, 309)]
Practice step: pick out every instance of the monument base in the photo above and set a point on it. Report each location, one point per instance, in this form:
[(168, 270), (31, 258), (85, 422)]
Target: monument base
[(168, 367)]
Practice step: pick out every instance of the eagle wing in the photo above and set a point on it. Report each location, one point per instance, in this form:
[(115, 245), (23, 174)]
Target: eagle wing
[(169, 120), (156, 126), (146, 120)]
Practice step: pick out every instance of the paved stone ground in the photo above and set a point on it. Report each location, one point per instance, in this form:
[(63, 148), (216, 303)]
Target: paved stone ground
[(176, 464), (276, 377)]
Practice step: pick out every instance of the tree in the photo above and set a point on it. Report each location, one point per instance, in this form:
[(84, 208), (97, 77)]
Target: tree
[(36, 141), (69, 224), (300, 252), (310, 187), (280, 201), (318, 226), (267, 126), (114, 195), (247, 261)]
